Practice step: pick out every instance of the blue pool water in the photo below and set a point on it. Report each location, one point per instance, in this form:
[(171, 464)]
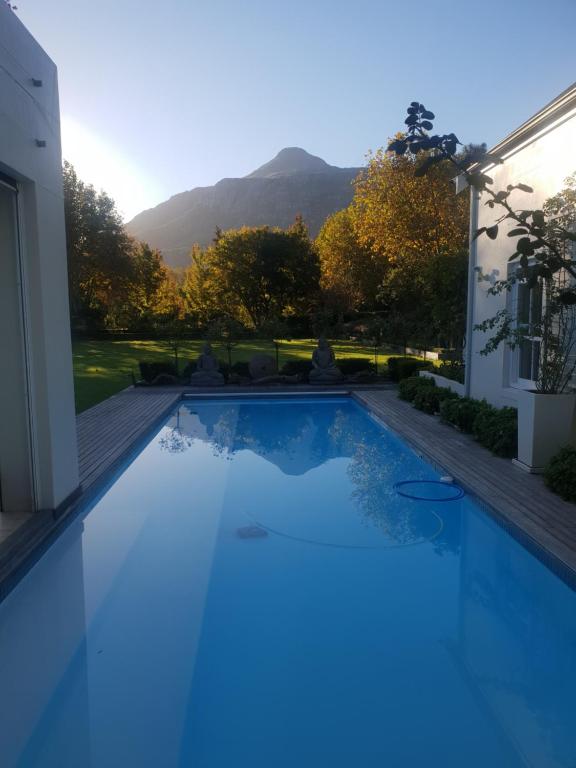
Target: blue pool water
[(253, 592)]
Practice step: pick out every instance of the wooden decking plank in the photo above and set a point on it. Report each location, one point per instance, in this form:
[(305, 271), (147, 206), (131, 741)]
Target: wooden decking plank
[(109, 430), (110, 434), (110, 425), (108, 421)]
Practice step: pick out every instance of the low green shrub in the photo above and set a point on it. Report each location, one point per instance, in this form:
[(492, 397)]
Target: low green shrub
[(149, 371), (461, 412), (188, 369), (404, 367), (428, 399), (560, 473), (241, 368), (224, 368), (497, 430), (352, 365), (293, 367), (452, 371), (408, 388)]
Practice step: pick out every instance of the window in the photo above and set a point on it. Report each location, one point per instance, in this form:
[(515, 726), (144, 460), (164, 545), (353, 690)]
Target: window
[(528, 319)]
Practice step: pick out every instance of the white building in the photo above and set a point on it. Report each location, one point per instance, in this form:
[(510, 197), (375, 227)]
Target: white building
[(38, 454), (542, 154)]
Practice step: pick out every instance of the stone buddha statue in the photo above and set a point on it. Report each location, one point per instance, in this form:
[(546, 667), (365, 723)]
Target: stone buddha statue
[(324, 370), (207, 373)]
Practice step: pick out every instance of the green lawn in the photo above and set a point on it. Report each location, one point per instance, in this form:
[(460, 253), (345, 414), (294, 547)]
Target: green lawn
[(102, 368)]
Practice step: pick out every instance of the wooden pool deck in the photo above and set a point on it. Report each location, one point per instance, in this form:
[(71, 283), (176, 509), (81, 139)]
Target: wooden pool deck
[(109, 431)]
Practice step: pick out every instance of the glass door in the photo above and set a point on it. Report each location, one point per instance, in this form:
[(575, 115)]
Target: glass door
[(17, 491)]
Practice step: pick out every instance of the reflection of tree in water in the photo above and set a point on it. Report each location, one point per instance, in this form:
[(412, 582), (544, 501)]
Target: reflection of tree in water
[(294, 439), (219, 427), (175, 440), (298, 439), (373, 470)]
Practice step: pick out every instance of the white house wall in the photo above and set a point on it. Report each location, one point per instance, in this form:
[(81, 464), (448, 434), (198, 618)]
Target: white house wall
[(29, 115), (543, 163)]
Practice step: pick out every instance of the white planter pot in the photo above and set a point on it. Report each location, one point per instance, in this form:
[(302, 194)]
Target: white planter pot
[(545, 424)]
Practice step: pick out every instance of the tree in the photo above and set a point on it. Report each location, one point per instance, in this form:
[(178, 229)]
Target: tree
[(100, 265), (256, 274), (417, 231), (403, 218), (145, 297), (543, 248), (115, 281), (201, 290), (349, 272)]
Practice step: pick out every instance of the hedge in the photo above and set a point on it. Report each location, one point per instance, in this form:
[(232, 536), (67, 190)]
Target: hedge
[(352, 365), (408, 388), (149, 371), (560, 473), (497, 429), (461, 412), (494, 428), (428, 399), (452, 371), (404, 367)]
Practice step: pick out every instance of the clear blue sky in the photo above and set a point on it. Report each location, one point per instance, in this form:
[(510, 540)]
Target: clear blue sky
[(159, 97)]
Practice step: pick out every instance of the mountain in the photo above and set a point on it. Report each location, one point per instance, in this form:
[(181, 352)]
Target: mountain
[(291, 183)]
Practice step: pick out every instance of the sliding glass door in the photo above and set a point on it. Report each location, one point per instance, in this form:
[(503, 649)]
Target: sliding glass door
[(16, 471)]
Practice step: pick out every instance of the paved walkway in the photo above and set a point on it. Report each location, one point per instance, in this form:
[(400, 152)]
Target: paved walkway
[(519, 499)]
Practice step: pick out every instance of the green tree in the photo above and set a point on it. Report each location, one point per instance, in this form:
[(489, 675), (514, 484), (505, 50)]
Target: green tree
[(257, 274), (417, 231), (101, 269), (202, 293), (543, 245)]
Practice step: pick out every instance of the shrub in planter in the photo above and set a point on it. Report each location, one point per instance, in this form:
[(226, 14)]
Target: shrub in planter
[(352, 365), (408, 388), (293, 367), (461, 412), (560, 473), (403, 367), (497, 429), (149, 371), (428, 399)]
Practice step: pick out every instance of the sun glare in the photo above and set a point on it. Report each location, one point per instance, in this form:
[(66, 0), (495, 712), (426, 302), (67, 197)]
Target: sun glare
[(99, 163)]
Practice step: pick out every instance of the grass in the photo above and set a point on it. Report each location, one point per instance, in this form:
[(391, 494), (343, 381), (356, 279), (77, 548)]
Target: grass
[(102, 368)]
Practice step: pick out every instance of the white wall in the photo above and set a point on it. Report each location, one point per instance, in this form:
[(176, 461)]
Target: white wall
[(543, 163), (29, 113)]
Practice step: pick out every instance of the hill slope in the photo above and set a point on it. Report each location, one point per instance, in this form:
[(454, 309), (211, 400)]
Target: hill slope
[(293, 182)]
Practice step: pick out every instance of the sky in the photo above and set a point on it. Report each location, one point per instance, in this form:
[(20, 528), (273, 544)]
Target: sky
[(160, 97)]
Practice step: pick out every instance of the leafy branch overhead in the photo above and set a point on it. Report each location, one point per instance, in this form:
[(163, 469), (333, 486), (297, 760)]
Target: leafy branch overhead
[(542, 248)]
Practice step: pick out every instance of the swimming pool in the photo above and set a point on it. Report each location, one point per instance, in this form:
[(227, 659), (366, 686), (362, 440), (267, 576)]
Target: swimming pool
[(255, 589)]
